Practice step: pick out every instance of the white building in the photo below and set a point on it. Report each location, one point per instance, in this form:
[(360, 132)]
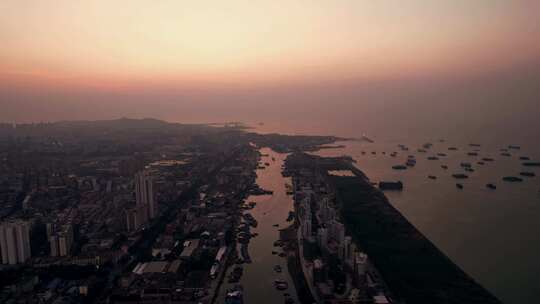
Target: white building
[(15, 242)]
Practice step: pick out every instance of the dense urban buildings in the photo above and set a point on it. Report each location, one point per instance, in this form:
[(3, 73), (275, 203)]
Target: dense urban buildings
[(144, 211)]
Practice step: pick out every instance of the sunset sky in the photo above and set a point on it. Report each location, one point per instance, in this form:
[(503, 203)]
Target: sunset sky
[(117, 47)]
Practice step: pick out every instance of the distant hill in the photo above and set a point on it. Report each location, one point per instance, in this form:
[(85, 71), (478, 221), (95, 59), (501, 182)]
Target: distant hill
[(121, 126)]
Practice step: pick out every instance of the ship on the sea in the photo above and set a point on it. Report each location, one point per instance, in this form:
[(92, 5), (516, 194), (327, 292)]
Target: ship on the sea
[(384, 185), (235, 295), (366, 138)]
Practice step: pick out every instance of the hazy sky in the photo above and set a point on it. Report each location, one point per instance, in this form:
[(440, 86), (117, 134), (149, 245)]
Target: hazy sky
[(63, 54)]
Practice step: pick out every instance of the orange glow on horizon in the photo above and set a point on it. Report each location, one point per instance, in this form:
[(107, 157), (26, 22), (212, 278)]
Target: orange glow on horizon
[(130, 44)]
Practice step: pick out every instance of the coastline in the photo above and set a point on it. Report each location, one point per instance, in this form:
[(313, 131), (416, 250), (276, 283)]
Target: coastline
[(414, 269)]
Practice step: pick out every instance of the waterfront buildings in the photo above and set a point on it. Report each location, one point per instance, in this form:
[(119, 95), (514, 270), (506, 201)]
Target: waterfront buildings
[(332, 263)]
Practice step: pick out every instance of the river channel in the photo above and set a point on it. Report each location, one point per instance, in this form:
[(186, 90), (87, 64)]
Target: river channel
[(271, 210)]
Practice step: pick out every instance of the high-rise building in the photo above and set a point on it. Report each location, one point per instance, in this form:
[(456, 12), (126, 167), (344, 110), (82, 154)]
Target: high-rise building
[(346, 251), (306, 229), (322, 238), (95, 184), (64, 245), (54, 246), (326, 212), (360, 264), (61, 242), (145, 196), (65, 240), (305, 209), (141, 215), (15, 241), (337, 231), (132, 221), (51, 227)]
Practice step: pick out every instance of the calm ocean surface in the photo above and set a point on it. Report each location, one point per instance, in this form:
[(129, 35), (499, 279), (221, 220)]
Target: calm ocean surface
[(494, 235)]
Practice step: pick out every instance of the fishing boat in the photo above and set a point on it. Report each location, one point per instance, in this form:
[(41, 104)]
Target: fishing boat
[(281, 284), (411, 162), (235, 295), (512, 179)]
